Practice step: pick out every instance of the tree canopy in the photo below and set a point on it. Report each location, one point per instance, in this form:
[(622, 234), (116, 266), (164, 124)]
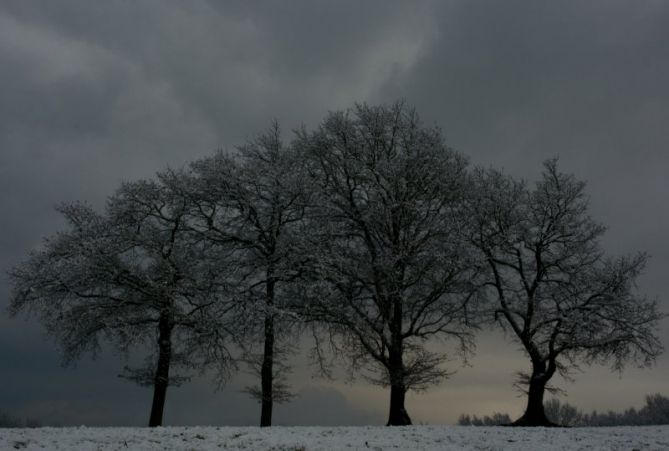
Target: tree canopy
[(552, 285)]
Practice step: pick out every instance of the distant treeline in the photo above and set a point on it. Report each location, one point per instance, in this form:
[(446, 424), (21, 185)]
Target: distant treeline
[(10, 421), (656, 411)]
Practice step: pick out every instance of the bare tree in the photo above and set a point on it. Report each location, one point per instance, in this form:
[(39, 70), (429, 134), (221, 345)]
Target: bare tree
[(253, 203), (134, 276), (554, 289), (392, 269)]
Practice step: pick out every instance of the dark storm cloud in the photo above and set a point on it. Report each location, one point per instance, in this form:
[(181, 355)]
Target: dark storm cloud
[(514, 83), (92, 93)]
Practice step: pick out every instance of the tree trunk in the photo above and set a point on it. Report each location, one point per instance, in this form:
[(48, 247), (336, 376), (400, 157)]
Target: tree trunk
[(266, 375), (534, 411), (267, 371), (162, 374), (398, 415)]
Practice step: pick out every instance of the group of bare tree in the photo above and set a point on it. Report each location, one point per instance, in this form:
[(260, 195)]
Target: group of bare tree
[(369, 232)]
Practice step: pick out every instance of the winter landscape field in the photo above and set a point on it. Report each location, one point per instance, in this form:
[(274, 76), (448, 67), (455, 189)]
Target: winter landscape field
[(336, 438), (243, 225)]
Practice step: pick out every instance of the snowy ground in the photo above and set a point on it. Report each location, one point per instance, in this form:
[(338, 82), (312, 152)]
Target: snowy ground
[(336, 438)]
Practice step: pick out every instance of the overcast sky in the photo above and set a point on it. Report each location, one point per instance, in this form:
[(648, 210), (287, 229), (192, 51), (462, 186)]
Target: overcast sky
[(93, 93)]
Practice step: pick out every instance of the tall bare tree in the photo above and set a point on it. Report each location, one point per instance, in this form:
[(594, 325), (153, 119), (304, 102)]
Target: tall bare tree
[(392, 268), (554, 289), (253, 203), (134, 276)]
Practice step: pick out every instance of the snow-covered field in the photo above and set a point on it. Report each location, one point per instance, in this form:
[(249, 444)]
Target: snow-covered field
[(336, 438)]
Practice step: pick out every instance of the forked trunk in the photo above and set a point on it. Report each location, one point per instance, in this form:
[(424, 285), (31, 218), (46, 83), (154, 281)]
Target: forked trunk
[(534, 411), (162, 375)]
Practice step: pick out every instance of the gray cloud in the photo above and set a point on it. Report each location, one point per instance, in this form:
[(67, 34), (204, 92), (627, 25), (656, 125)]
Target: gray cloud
[(94, 93)]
